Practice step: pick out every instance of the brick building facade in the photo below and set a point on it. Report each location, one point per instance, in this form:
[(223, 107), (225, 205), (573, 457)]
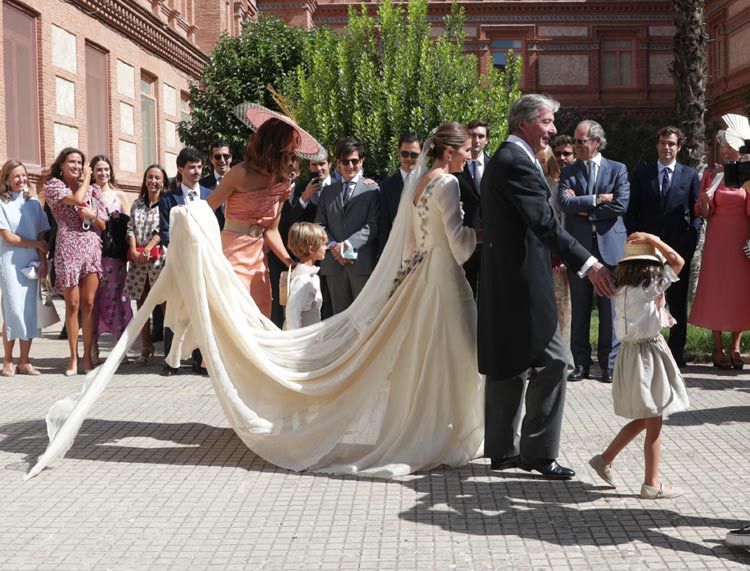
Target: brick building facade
[(112, 76)]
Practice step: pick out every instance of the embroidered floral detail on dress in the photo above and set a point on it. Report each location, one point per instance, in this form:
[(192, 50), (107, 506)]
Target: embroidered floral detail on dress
[(407, 267)]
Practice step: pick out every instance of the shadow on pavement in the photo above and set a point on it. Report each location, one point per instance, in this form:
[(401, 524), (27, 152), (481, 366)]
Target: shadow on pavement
[(137, 442), (555, 512), (716, 416), (724, 380)]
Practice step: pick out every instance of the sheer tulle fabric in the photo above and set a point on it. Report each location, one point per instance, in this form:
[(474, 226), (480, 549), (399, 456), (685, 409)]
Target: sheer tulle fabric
[(388, 387)]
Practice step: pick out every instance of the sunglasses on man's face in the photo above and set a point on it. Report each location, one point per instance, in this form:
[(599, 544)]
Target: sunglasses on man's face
[(409, 155), (347, 162), (219, 156), (565, 154)]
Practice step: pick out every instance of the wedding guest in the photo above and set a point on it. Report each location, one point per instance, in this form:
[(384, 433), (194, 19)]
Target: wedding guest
[(349, 210), (145, 252), (220, 157), (409, 147), (78, 208), (22, 228), (551, 170), (721, 300), (112, 308), (562, 148), (254, 192), (662, 202), (307, 241)]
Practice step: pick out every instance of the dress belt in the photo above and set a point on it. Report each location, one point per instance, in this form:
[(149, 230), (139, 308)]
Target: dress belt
[(252, 230)]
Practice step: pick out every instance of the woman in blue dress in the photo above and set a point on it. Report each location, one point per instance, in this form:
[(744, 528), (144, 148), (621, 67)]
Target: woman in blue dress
[(22, 225)]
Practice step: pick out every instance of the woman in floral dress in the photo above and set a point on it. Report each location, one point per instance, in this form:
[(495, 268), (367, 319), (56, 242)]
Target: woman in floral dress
[(112, 308), (78, 248), (143, 238)]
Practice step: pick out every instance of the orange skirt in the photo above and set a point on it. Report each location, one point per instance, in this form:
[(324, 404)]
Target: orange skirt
[(249, 261)]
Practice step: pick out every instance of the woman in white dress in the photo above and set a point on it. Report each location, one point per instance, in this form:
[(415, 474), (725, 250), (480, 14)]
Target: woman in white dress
[(388, 387)]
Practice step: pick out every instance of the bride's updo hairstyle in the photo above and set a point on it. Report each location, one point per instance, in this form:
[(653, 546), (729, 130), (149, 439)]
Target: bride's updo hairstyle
[(271, 148), (448, 135)]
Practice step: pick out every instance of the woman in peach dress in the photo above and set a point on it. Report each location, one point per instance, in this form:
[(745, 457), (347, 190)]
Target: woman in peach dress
[(253, 193), (722, 300)]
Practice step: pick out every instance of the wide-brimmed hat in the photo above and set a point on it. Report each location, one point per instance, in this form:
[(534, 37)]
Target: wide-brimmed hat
[(254, 115), (634, 251)]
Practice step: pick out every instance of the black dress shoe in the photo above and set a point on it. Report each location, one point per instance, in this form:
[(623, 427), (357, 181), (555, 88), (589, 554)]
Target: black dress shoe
[(578, 374), (199, 370), (606, 375), (505, 463), (549, 468), (167, 371)]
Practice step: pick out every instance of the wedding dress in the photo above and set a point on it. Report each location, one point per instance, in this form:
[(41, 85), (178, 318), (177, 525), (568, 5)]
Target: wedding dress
[(388, 387)]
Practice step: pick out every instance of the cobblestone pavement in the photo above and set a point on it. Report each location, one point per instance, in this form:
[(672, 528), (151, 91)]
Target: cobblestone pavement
[(157, 480)]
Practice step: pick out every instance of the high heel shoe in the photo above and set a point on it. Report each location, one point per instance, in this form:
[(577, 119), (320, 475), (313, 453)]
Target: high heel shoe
[(9, 369), (146, 352), (721, 361), (737, 362), (73, 371)]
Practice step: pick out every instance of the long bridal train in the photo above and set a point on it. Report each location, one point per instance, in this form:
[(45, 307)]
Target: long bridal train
[(384, 389)]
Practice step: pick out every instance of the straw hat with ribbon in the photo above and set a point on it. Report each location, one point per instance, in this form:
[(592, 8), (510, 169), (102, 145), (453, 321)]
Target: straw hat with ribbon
[(254, 115), (636, 251)]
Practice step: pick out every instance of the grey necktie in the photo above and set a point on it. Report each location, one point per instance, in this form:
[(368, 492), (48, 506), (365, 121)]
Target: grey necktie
[(592, 178), (192, 195), (348, 189)]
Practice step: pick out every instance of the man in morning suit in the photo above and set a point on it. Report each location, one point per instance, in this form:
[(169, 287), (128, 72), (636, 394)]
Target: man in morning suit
[(594, 194), (518, 329), (349, 210), (189, 167), (662, 201), (469, 184), (409, 147), (220, 157)]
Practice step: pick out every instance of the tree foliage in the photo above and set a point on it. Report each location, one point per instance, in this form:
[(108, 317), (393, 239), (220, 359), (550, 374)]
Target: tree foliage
[(384, 75), (238, 72)]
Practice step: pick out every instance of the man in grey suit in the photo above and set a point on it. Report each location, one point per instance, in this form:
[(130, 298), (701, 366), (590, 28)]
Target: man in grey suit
[(349, 210), (594, 194)]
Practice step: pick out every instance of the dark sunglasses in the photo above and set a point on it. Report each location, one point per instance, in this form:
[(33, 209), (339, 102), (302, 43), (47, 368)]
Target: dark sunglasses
[(409, 155), (219, 156), (353, 162), (565, 154)]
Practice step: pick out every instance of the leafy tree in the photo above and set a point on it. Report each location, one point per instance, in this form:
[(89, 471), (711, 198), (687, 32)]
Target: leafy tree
[(239, 70), (384, 75)]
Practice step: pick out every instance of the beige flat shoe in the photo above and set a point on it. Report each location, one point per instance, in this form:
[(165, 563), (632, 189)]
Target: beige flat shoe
[(663, 492), (604, 470), (9, 370), (28, 369)]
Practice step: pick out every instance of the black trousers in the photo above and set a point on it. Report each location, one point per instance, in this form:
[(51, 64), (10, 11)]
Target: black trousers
[(677, 300), (545, 400)]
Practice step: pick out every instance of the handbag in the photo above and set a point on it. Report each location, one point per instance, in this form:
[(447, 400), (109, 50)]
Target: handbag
[(154, 254), (114, 237), (284, 285), (46, 314)]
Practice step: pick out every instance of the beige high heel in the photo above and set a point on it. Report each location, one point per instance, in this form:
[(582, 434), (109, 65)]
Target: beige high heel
[(146, 352)]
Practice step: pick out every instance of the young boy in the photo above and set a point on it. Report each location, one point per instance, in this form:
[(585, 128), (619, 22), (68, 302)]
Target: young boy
[(307, 242)]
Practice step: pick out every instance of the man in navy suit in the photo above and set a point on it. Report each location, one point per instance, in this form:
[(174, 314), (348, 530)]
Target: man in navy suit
[(469, 181), (594, 194), (189, 168), (409, 147), (662, 201)]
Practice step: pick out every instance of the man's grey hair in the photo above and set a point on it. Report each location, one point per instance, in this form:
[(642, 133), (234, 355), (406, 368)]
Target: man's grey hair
[(596, 131), (527, 108)]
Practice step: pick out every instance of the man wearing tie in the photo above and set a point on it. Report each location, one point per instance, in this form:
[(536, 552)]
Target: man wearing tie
[(469, 181), (662, 202), (594, 194), (409, 147), (349, 210)]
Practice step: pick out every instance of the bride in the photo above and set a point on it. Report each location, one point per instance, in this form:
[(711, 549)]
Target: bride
[(388, 387)]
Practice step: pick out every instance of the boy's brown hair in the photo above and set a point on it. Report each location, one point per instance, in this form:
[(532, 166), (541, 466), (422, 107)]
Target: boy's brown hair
[(636, 273), (303, 236)]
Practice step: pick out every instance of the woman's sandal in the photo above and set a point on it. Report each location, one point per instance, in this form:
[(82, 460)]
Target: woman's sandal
[(9, 369), (737, 362), (28, 369), (721, 361)]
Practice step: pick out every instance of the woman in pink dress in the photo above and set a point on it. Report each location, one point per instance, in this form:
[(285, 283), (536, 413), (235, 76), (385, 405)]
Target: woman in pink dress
[(722, 300), (78, 209), (253, 193)]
